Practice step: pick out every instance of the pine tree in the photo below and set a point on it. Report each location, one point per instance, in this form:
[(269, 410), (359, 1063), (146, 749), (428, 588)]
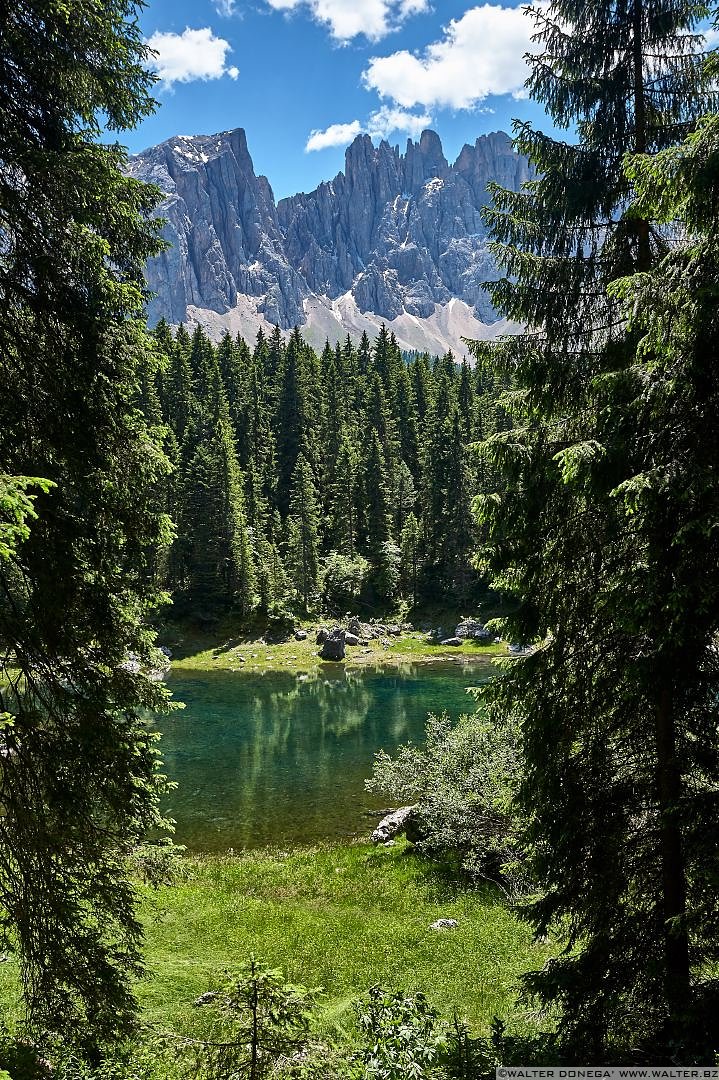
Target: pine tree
[(404, 496), (218, 569), (602, 703)]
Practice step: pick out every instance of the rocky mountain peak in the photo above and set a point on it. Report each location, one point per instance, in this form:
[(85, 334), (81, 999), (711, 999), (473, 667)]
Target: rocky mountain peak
[(393, 236)]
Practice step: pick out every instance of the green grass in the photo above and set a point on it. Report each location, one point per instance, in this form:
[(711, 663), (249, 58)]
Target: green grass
[(342, 916), (231, 649)]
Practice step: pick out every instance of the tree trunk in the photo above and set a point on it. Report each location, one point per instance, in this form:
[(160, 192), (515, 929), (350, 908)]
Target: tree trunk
[(676, 941), (644, 254)]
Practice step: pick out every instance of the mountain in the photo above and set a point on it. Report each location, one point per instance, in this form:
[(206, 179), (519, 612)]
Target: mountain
[(395, 238)]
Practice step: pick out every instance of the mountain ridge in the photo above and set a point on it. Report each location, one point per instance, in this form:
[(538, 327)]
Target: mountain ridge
[(393, 238)]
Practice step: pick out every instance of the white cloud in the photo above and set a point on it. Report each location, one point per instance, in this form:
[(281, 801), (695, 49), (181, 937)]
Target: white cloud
[(334, 135), (226, 8), (347, 19), (480, 54), (388, 119), (711, 38), (380, 124), (191, 55)]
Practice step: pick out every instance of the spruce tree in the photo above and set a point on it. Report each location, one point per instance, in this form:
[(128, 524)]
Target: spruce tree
[(377, 498), (343, 489), (602, 702), (303, 532), (79, 770), (410, 546)]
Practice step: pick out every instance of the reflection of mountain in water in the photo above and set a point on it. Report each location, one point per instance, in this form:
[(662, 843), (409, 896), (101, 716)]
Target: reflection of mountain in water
[(276, 758)]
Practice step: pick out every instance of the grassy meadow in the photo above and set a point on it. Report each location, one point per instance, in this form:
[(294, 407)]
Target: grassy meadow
[(340, 916)]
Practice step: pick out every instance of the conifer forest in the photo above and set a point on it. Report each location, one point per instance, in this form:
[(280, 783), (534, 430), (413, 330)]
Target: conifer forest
[(301, 479), (359, 703)]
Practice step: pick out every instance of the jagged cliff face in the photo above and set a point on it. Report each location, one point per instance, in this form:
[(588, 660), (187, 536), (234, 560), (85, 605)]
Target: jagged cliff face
[(401, 232), (395, 237)]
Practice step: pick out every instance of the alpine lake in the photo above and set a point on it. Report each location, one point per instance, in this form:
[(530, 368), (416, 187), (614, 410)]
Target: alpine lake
[(280, 759)]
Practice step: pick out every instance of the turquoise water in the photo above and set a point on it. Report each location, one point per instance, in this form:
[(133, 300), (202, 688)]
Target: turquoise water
[(281, 759)]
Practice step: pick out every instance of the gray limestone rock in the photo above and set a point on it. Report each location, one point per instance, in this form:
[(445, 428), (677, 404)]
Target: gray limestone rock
[(401, 232), (393, 825), (207, 998), (333, 646), (472, 628)]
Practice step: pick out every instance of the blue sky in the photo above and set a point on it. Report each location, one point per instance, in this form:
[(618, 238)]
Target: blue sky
[(303, 76)]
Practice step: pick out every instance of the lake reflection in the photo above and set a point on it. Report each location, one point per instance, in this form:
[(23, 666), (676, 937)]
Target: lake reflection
[(277, 758)]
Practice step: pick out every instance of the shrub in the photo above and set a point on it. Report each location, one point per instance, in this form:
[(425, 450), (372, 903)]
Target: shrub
[(463, 782), (403, 1036), (343, 578)]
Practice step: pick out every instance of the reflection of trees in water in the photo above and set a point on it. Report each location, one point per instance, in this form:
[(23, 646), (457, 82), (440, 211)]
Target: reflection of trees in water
[(259, 757)]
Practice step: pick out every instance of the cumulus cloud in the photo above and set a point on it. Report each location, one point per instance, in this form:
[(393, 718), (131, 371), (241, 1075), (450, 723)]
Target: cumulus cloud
[(346, 19), (480, 54), (191, 55), (334, 135), (389, 119), (381, 123)]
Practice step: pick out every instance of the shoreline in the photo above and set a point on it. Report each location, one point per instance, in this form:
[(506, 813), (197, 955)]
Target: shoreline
[(256, 655)]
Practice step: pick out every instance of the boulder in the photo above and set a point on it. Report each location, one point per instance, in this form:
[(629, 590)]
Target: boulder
[(451, 641), (444, 924), (472, 628), (333, 646), (351, 639), (322, 635), (207, 998), (394, 630), (393, 825), (354, 626), (300, 635)]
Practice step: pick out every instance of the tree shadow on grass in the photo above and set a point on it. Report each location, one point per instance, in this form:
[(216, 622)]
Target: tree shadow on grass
[(442, 879)]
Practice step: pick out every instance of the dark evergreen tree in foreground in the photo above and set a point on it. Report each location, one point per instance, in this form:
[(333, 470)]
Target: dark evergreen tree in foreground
[(601, 531), (78, 780)]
